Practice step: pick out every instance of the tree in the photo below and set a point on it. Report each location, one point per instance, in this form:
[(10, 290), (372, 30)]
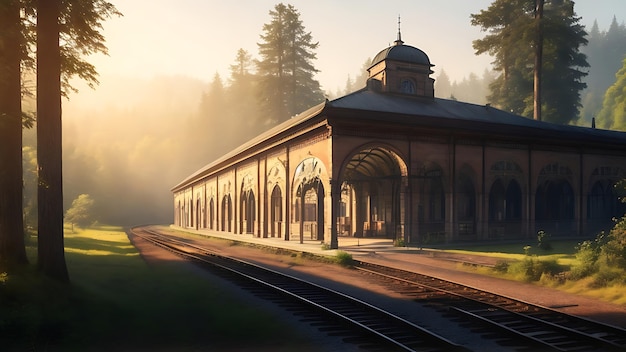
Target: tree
[(443, 86), (51, 255), (241, 97), (79, 22), (76, 24), (614, 105), (513, 40), (241, 69), (12, 249), (606, 50), (285, 70), (80, 213)]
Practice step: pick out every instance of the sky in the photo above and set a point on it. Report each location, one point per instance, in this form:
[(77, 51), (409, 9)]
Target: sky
[(199, 38)]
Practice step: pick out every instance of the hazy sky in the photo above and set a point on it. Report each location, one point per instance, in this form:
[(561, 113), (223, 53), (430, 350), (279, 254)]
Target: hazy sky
[(199, 38)]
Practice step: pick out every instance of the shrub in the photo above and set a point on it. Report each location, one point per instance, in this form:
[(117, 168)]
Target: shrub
[(607, 277), (344, 258), (614, 250), (501, 266), (587, 253), (531, 269), (325, 246), (398, 242), (543, 241)]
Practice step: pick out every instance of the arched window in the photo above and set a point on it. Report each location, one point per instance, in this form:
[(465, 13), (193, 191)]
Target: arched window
[(407, 86)]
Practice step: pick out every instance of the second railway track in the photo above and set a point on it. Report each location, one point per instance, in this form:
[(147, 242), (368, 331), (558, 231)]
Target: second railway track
[(518, 325), (542, 328)]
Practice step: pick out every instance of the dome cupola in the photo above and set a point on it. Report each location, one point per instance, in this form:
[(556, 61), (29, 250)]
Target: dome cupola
[(402, 69)]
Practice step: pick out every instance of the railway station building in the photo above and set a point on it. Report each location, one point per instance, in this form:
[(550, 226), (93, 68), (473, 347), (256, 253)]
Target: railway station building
[(392, 161)]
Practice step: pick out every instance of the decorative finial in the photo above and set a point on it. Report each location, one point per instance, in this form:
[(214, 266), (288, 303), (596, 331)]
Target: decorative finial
[(399, 40)]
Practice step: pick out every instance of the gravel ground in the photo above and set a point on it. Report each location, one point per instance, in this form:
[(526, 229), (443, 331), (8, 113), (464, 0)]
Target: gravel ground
[(352, 283)]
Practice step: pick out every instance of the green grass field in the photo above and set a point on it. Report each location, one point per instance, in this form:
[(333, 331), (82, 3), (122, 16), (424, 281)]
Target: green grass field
[(116, 302)]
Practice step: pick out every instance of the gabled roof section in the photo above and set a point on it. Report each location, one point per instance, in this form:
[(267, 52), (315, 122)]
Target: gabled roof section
[(266, 136)]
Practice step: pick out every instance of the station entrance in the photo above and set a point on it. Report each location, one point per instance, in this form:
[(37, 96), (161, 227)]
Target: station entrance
[(372, 201)]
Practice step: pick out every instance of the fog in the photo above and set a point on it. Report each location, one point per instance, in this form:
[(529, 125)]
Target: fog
[(129, 142)]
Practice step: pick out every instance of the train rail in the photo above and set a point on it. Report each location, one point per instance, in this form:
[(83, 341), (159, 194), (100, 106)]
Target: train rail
[(358, 322), (518, 323)]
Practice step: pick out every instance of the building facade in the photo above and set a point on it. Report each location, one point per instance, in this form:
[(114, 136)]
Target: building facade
[(393, 161)]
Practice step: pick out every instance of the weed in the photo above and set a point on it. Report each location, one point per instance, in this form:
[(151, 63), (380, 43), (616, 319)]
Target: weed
[(501, 266), (543, 241), (344, 259), (398, 242), (531, 269)]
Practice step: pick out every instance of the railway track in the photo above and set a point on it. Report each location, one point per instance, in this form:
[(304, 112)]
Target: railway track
[(356, 321), (517, 323)]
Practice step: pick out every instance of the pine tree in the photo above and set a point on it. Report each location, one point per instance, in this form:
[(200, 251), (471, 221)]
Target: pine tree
[(12, 248), (51, 257), (285, 70), (65, 32), (241, 96), (511, 41), (443, 85)]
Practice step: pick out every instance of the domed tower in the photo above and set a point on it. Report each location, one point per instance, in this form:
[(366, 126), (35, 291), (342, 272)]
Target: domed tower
[(402, 69)]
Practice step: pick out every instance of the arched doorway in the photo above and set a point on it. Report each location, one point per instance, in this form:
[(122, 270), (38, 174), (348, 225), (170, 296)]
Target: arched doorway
[(430, 204), (604, 199), (309, 199), (276, 212), (198, 214), (247, 211), (310, 204), (226, 213), (555, 201), (211, 213), (466, 205), (372, 201), (505, 209)]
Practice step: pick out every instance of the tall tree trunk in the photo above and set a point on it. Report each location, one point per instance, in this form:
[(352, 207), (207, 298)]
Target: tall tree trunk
[(51, 255), (12, 250), (538, 59)]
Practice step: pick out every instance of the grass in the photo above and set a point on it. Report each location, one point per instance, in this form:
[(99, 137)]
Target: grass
[(546, 268), (562, 251), (117, 302)]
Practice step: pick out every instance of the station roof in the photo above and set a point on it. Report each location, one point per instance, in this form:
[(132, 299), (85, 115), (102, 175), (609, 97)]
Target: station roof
[(448, 115), (461, 115)]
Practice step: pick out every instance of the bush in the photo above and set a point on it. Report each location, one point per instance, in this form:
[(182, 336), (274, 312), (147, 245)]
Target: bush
[(607, 277), (501, 266), (614, 250), (531, 269), (344, 259), (398, 242), (543, 241), (587, 253), (325, 246)]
